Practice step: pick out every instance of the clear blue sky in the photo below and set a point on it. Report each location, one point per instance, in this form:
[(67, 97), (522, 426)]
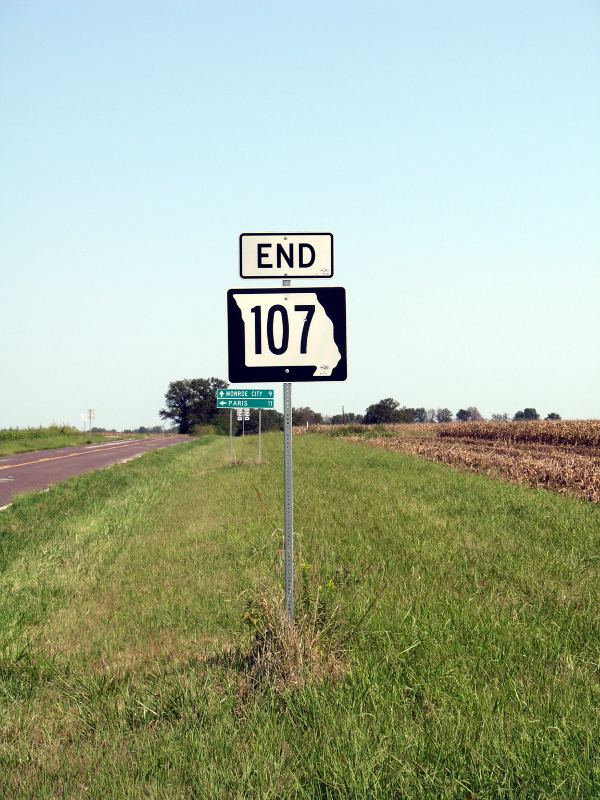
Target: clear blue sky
[(452, 148)]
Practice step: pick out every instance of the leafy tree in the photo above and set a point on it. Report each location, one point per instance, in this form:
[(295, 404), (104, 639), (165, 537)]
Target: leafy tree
[(500, 417), (348, 416), (443, 415), (553, 415), (474, 414), (527, 413), (420, 415), (463, 415), (304, 414), (407, 414), (220, 422), (384, 411), (192, 402)]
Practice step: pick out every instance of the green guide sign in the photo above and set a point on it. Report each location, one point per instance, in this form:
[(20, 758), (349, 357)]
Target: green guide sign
[(245, 398)]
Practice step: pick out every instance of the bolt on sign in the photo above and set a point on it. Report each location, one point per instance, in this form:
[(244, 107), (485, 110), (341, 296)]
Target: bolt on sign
[(287, 334), (286, 255)]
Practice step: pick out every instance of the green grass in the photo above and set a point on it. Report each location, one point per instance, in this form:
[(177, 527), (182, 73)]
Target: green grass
[(9, 448), (473, 671), (26, 440), (36, 433)]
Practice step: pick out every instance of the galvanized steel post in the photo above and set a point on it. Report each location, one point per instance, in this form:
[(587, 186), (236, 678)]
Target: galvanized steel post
[(288, 489), (259, 435)]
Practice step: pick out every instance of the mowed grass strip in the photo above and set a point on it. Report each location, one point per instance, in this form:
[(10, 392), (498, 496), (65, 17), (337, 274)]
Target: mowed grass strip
[(470, 608)]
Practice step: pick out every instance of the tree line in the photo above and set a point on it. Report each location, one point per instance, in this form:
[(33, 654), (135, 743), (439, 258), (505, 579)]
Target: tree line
[(192, 402), (389, 410)]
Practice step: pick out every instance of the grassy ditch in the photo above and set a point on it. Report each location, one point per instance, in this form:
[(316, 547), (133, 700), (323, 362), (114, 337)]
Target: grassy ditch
[(454, 621)]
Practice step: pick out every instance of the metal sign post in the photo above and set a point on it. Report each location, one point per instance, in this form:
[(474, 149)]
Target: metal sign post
[(230, 435), (288, 493), (259, 435)]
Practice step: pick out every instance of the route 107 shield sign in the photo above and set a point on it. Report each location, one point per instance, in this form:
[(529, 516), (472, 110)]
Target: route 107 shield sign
[(287, 334)]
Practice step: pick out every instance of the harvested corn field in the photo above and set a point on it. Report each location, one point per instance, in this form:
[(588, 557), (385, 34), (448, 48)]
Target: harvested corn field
[(570, 433), (561, 456)]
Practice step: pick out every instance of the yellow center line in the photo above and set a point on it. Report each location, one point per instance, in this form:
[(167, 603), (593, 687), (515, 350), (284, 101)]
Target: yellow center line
[(68, 455)]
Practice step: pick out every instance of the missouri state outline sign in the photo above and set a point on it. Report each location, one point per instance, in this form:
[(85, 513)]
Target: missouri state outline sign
[(287, 334)]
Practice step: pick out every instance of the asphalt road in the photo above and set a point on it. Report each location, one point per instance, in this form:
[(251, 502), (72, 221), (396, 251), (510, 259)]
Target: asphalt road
[(32, 472)]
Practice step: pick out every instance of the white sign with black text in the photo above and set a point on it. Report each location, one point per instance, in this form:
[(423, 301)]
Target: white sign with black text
[(286, 255)]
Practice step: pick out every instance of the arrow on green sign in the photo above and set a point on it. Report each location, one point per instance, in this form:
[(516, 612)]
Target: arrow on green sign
[(246, 393), (249, 402)]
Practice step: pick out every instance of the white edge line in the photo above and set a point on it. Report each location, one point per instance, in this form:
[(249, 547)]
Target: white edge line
[(123, 461)]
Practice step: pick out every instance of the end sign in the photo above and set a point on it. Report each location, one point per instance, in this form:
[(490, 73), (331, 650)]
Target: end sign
[(286, 255)]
